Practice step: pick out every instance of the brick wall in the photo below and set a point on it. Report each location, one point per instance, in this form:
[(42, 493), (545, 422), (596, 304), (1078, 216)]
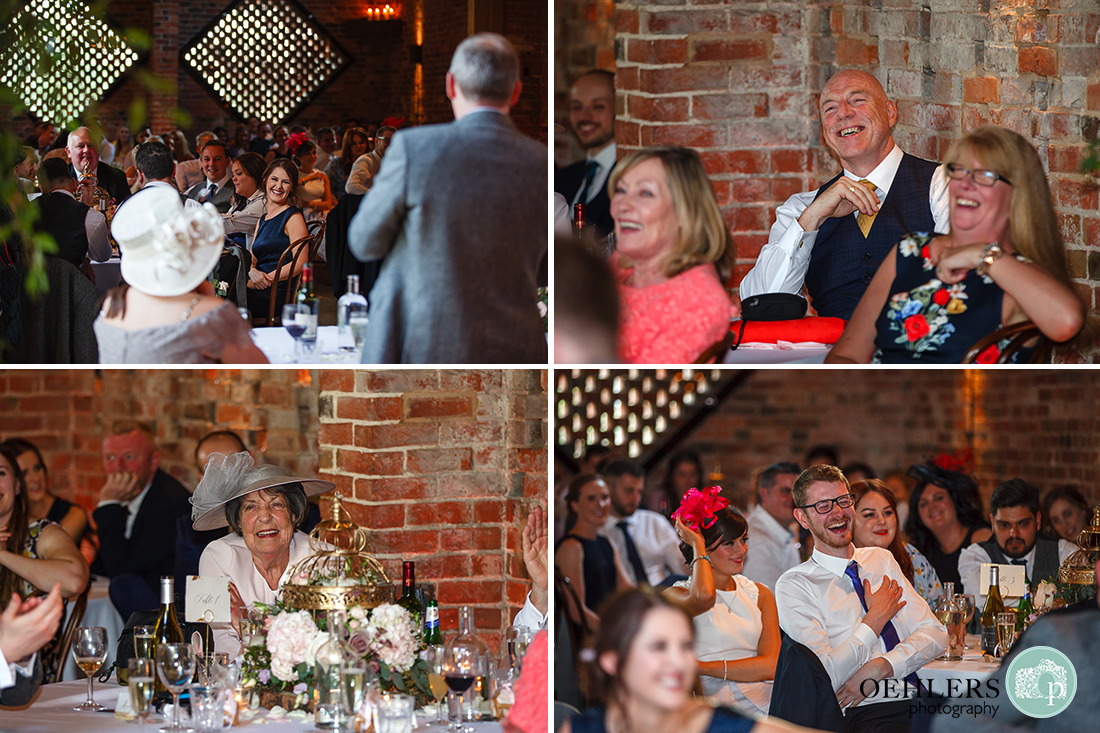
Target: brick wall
[(739, 83), (443, 467), (584, 39), (1041, 426)]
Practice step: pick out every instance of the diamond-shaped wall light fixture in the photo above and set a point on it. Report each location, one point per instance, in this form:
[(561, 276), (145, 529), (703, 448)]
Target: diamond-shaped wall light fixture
[(265, 58), (59, 58)]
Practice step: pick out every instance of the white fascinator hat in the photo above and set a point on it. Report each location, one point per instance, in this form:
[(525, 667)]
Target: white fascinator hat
[(230, 476), (167, 248)]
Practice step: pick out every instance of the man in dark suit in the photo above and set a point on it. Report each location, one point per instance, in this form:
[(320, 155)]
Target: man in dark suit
[(25, 627), (834, 239), (79, 230), (217, 189), (138, 508), (592, 117), (83, 155), (459, 214)]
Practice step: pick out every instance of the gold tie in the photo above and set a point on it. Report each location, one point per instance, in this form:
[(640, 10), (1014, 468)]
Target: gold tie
[(865, 220)]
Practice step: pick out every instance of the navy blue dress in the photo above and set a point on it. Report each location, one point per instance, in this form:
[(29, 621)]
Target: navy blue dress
[(725, 720), (928, 321), (600, 576), (268, 246)]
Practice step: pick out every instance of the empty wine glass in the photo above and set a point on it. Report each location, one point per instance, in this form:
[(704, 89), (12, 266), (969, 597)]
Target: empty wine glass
[(968, 601), (294, 320), (142, 681), (176, 667), (90, 652)]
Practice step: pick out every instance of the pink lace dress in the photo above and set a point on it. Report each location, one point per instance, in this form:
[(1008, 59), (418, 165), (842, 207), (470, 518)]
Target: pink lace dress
[(674, 322)]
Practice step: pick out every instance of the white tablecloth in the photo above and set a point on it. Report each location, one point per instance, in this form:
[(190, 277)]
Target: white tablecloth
[(52, 711), (773, 354), (278, 346), (972, 667), (99, 612), (107, 274)]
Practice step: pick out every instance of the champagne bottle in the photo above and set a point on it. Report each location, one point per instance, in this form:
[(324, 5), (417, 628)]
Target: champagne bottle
[(993, 606), (167, 630), (432, 634), (351, 314), (308, 298), (408, 599), (578, 221)]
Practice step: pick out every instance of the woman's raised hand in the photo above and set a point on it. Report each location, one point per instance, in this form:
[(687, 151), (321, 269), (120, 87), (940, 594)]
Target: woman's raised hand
[(690, 537)]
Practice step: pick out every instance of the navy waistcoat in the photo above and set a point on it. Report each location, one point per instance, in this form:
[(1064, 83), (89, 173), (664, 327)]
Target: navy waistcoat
[(843, 262)]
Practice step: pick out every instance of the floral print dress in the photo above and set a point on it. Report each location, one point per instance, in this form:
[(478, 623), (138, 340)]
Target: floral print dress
[(925, 579), (927, 320), (50, 655)]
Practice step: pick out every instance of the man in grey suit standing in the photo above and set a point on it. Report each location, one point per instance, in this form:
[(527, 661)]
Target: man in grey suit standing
[(217, 188), (458, 212)]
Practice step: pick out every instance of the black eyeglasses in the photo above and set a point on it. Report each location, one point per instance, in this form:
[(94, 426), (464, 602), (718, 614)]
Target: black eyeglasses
[(981, 177), (825, 506)]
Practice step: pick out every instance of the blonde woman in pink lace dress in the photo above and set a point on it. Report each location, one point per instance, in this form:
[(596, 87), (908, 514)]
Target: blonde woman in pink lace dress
[(674, 254)]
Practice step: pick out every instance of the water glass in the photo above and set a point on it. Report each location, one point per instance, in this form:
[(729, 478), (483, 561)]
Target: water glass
[(142, 678), (176, 667), (207, 708), (90, 652), (357, 320), (395, 713)]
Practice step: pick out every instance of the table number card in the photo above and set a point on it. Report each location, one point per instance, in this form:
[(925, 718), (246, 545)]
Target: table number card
[(1011, 579), (207, 600)]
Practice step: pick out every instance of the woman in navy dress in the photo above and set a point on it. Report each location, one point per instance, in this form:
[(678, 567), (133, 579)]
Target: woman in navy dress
[(1003, 262), (280, 225), (586, 559)]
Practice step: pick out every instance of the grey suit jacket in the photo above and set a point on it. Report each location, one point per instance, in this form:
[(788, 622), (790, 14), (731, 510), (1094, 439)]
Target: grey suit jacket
[(25, 687), (458, 213), (222, 200)]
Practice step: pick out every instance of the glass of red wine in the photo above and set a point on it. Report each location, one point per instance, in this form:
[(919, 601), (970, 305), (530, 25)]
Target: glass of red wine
[(294, 321), (461, 667)]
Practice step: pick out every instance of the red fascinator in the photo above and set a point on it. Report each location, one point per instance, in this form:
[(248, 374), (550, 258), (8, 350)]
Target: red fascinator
[(295, 141), (697, 508)]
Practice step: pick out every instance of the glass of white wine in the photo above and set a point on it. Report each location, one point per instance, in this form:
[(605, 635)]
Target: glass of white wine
[(90, 652), (434, 657), (353, 684), (518, 638), (176, 667), (142, 680)]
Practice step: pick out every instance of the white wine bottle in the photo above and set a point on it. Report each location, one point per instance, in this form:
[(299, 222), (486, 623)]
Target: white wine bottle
[(167, 630), (993, 606)]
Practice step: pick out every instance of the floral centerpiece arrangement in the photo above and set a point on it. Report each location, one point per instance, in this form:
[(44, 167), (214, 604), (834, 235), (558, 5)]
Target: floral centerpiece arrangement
[(279, 655)]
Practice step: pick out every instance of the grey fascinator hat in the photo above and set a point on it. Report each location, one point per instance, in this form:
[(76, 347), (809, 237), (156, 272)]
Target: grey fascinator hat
[(228, 477)]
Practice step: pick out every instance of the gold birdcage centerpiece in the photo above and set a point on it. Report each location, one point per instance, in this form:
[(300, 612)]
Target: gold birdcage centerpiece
[(339, 574), (1080, 567)]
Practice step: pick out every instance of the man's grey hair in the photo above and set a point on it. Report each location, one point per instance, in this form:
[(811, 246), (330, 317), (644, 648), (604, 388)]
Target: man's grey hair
[(486, 68), (202, 138)]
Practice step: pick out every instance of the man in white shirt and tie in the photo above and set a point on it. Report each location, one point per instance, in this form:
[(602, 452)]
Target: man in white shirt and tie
[(592, 117), (217, 188), (854, 608), (645, 540), (773, 548)]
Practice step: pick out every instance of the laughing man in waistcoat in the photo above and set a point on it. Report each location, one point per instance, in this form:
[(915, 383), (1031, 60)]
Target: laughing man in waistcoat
[(1014, 513), (816, 239)]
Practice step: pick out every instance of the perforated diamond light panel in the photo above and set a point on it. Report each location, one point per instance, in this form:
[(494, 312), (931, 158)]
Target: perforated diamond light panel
[(265, 58), (59, 58)]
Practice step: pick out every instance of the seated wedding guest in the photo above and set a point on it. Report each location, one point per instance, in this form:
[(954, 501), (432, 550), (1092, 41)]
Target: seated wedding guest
[(586, 307), (41, 504), (124, 148), (674, 252), (78, 229), (169, 314), (529, 714), (326, 148), (25, 628), (935, 296), (154, 165), (26, 170), (592, 119), (875, 524), (313, 186), (239, 144), (736, 625), (774, 545), (533, 541), (854, 608), (280, 225), (945, 516), (262, 141), (1065, 513), (339, 167), (585, 558), (901, 485), (278, 145), (643, 673), (261, 505), (216, 188), (248, 198), (643, 540), (189, 170), (685, 471), (1014, 513), (366, 166), (83, 156)]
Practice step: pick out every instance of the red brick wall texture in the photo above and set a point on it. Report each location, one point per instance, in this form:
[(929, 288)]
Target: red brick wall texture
[(442, 467), (739, 82)]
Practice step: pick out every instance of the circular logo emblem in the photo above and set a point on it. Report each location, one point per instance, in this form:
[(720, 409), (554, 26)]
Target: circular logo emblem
[(1041, 682)]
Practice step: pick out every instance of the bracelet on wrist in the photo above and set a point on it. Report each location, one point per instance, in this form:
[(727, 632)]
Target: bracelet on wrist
[(701, 557), (990, 254)]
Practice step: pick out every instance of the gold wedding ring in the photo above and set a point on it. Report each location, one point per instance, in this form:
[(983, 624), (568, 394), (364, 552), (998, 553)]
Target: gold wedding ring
[(852, 189)]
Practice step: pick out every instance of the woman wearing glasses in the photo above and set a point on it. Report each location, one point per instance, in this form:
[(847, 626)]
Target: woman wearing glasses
[(1003, 262)]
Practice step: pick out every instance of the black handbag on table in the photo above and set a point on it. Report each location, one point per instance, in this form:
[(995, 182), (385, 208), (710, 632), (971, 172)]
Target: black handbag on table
[(770, 307)]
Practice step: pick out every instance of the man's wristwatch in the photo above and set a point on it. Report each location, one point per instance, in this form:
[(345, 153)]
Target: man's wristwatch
[(990, 254)]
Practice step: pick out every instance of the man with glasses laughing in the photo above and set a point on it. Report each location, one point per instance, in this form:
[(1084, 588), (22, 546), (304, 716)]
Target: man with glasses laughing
[(855, 610)]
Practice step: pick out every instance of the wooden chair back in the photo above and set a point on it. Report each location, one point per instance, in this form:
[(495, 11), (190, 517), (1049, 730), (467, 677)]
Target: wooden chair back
[(68, 632), (716, 350), (296, 254), (1019, 334)]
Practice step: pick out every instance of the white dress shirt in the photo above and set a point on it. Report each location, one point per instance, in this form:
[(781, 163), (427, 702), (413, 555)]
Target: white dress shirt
[(244, 219), (773, 548), (605, 159), (187, 203), (563, 220), (783, 262), (188, 174), (206, 185), (322, 159), (530, 616), (656, 541), (973, 557), (8, 670), (95, 226), (818, 607)]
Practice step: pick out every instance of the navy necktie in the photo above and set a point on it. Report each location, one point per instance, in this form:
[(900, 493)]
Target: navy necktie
[(632, 554), (889, 633), (589, 177), (1019, 561), (213, 189)]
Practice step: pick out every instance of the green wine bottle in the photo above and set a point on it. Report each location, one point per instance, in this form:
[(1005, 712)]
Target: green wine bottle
[(432, 634)]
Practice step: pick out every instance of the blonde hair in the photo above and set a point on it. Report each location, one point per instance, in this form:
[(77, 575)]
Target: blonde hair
[(703, 237)]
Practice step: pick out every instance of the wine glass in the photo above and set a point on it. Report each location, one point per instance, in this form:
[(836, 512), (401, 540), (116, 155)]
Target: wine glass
[(460, 668), (90, 652), (357, 320), (176, 667), (142, 681), (434, 657), (968, 609), (294, 321), (1006, 633), (517, 639)]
